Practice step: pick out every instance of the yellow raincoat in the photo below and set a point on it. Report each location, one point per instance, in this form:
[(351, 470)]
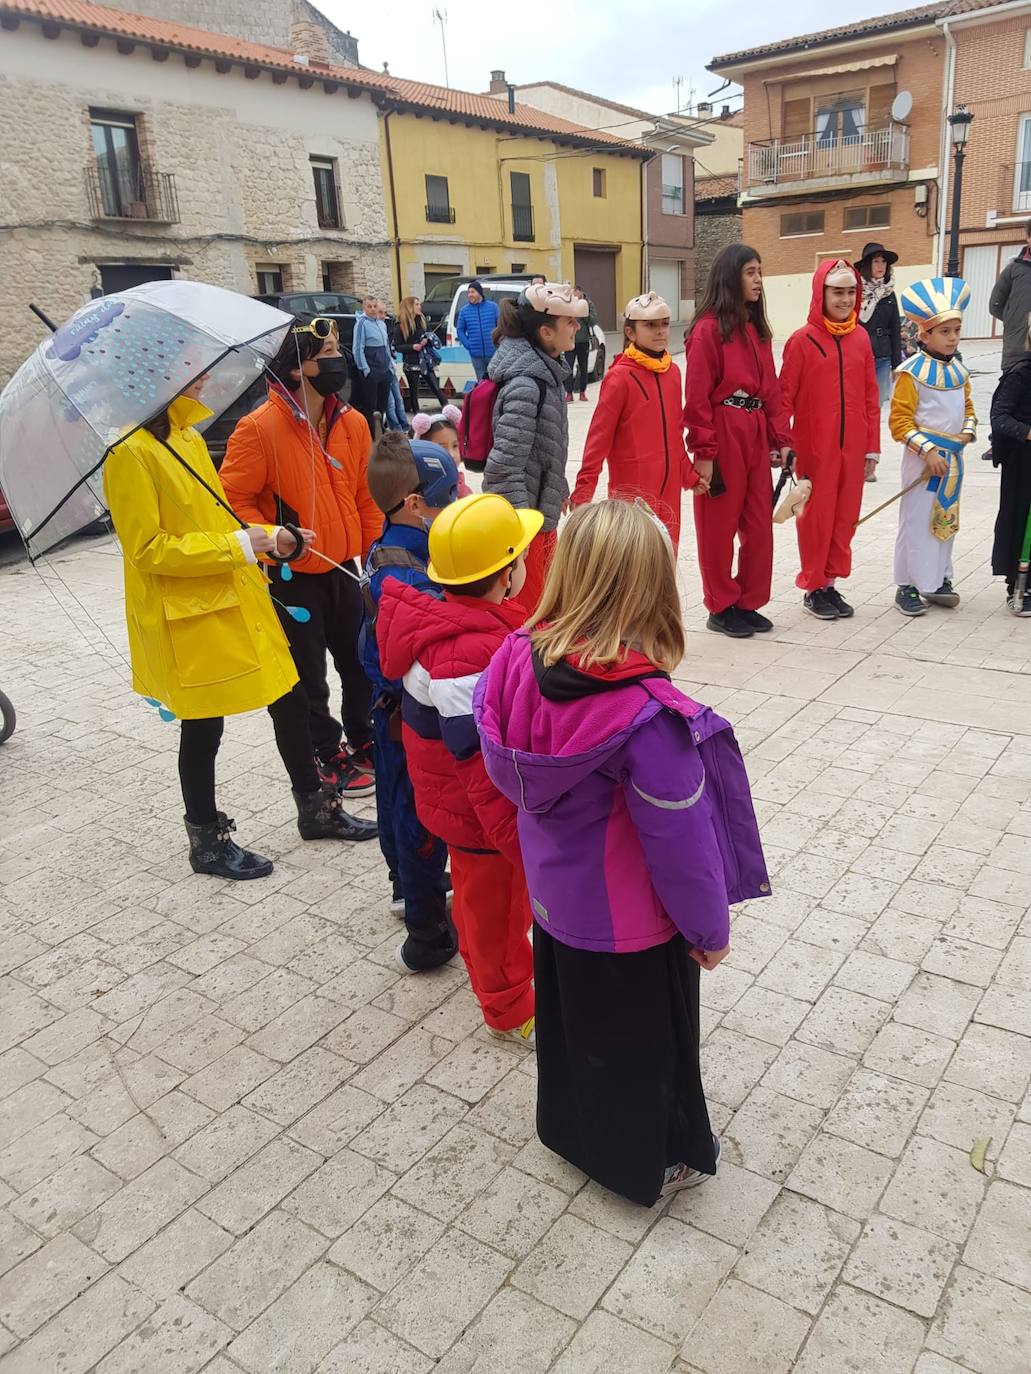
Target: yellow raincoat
[(203, 633)]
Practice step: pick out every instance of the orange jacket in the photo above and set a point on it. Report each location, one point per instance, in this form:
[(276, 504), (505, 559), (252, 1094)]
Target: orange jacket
[(276, 470)]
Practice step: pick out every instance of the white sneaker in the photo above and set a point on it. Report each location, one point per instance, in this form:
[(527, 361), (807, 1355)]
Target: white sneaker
[(680, 1176), (525, 1034), (397, 907)]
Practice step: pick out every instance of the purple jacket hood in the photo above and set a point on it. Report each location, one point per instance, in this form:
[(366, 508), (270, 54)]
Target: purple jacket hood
[(635, 817)]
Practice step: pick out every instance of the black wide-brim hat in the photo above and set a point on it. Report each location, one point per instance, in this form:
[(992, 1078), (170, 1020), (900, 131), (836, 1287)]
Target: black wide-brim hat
[(871, 250)]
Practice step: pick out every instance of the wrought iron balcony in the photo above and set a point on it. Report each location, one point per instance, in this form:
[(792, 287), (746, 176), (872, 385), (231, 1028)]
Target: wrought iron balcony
[(826, 159), (131, 193), (440, 214), (522, 223)]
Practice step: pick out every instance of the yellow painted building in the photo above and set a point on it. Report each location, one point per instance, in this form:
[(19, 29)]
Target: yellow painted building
[(476, 186)]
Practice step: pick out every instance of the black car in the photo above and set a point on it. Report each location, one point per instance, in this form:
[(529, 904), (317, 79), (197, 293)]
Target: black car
[(333, 305)]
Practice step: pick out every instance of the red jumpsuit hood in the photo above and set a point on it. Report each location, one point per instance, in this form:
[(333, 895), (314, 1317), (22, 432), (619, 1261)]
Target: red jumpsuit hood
[(819, 280)]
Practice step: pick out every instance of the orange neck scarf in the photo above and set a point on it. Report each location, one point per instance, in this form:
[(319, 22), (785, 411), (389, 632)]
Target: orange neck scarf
[(645, 360), (839, 328)]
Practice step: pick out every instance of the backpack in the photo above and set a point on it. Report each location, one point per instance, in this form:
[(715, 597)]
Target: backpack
[(476, 427), (384, 556)]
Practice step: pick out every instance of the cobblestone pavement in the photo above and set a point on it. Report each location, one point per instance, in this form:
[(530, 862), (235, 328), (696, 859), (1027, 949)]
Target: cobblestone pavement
[(233, 1139)]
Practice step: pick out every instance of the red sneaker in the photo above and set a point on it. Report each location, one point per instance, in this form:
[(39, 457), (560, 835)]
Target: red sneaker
[(341, 772)]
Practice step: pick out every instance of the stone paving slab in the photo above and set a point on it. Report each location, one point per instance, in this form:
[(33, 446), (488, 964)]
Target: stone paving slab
[(234, 1140)]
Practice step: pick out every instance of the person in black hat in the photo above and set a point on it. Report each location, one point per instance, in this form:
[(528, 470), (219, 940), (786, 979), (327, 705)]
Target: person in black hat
[(879, 313)]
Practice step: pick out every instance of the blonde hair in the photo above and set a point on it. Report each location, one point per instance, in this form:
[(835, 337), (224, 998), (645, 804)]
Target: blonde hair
[(410, 314), (612, 583)]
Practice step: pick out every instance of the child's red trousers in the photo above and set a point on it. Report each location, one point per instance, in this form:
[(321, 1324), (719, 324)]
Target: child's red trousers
[(491, 911)]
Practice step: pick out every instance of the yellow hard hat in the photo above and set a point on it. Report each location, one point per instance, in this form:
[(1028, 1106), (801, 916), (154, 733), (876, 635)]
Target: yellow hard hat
[(477, 536)]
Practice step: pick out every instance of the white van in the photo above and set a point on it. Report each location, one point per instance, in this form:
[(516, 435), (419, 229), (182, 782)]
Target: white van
[(456, 365)]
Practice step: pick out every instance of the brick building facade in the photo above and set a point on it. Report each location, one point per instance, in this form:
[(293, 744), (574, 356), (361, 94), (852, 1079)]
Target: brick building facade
[(990, 62), (826, 165)]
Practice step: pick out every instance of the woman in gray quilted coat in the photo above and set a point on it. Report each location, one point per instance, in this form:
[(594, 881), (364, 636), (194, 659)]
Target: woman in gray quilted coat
[(527, 460)]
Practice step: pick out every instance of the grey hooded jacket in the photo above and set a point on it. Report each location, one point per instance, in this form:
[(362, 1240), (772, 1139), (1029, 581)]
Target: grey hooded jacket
[(527, 461), (1011, 302)]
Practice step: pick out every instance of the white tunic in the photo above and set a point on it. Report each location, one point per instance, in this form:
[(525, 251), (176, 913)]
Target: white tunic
[(921, 559)]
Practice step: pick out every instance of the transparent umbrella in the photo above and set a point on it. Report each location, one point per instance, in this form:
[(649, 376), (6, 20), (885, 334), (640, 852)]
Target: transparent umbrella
[(116, 364)]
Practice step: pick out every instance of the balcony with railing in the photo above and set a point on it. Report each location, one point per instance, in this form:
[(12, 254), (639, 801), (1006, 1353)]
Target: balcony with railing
[(522, 223), (131, 193), (819, 160), (440, 214)]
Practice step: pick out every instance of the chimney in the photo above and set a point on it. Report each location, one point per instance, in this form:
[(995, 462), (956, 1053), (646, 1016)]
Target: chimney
[(703, 108), (725, 112), (308, 39), (498, 84), (511, 99)]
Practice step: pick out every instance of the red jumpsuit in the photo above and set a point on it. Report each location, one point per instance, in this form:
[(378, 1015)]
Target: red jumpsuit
[(741, 442), (638, 428), (829, 387)]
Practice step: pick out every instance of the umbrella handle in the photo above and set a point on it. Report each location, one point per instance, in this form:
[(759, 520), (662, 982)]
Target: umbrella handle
[(296, 552)]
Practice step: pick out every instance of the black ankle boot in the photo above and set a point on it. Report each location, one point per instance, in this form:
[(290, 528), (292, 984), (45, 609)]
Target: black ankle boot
[(213, 851), (321, 816)]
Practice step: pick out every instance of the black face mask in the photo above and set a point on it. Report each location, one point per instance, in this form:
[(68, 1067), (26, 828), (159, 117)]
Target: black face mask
[(333, 375)]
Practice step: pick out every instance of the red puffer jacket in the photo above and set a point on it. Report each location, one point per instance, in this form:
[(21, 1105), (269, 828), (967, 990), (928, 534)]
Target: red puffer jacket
[(638, 428), (439, 650)]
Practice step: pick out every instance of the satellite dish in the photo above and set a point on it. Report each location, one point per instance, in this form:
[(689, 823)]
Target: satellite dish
[(901, 106)]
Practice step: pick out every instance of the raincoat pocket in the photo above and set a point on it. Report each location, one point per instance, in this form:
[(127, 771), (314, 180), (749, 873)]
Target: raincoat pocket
[(210, 638)]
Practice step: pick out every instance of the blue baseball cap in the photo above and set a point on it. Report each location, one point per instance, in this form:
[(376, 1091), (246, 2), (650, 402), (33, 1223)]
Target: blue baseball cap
[(438, 475)]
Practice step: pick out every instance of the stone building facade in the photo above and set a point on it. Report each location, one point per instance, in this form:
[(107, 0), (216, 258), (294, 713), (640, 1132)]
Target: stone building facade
[(228, 140), (274, 22)]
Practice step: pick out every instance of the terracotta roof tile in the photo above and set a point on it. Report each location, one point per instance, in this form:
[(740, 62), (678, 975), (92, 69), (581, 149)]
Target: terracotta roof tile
[(463, 104), (495, 110), (881, 23)]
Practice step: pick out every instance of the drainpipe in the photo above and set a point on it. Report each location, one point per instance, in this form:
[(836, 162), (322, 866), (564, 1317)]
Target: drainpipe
[(645, 164), (393, 202), (945, 147)]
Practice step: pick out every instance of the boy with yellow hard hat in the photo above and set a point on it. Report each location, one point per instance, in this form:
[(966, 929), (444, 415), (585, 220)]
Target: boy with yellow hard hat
[(439, 650)]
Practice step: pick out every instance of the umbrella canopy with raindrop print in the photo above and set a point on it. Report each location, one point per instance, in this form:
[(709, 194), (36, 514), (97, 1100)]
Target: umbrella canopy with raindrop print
[(116, 364)]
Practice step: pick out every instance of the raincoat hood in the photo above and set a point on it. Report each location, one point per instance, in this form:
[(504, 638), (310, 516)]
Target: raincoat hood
[(539, 750), (819, 281)]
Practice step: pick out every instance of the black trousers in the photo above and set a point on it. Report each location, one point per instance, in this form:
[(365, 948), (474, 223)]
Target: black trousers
[(1010, 523), (335, 603), (371, 395), (413, 377), (577, 359), (619, 1087), (198, 748)]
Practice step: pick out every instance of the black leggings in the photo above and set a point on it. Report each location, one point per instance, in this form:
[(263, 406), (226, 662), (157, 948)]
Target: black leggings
[(198, 747), (413, 377)]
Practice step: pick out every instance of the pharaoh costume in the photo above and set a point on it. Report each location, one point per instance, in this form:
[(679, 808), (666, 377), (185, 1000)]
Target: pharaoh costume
[(931, 411)]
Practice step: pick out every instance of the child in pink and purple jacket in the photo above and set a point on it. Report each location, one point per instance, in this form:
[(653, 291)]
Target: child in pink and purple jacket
[(637, 832)]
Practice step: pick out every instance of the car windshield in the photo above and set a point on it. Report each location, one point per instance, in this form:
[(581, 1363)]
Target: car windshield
[(442, 290), (329, 302)]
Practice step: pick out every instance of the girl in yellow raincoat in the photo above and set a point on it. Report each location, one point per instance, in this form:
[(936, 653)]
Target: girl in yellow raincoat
[(203, 635)]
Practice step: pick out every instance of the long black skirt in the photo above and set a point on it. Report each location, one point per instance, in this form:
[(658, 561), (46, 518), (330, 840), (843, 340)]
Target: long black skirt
[(1014, 503), (619, 1084)]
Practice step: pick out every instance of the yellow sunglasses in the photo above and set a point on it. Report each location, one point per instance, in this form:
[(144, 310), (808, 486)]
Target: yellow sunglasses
[(321, 327)]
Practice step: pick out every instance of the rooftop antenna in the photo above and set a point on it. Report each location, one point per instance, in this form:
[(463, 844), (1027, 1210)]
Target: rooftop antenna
[(678, 82), (440, 17)]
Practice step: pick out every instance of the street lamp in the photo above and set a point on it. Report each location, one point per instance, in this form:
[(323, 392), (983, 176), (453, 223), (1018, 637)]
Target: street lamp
[(959, 127)]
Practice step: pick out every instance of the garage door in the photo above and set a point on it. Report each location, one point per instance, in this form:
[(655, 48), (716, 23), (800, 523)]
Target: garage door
[(595, 274), (664, 280), (982, 264)]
